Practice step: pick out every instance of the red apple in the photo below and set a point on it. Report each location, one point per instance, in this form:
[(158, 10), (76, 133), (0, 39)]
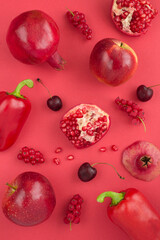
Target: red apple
[(29, 199), (113, 61)]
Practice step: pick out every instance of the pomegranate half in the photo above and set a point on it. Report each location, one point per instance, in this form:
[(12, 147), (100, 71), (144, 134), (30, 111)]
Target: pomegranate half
[(85, 124), (33, 38), (132, 17)]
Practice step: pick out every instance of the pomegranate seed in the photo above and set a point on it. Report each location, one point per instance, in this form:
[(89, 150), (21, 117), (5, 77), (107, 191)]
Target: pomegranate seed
[(56, 161), (114, 148), (103, 149), (58, 150), (70, 157)]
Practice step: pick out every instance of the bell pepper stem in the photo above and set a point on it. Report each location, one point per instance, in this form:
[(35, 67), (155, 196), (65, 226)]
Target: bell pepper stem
[(116, 197), (16, 92)]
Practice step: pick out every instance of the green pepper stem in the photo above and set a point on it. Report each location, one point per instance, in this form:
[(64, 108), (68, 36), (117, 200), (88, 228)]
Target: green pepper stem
[(16, 92), (116, 197), (9, 185), (110, 166)]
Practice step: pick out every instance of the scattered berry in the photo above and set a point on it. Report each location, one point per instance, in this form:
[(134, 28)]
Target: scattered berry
[(56, 161), (78, 20), (54, 102), (70, 157), (114, 148), (73, 210), (30, 155), (103, 149), (58, 150), (132, 109)]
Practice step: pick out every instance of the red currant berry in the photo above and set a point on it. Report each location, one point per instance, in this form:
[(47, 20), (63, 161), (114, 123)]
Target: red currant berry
[(25, 154), (76, 220), (78, 207), (31, 151), (89, 37), (70, 207), (82, 16), (66, 220), (73, 201), (70, 217), (41, 160), (19, 156), (76, 213), (25, 149), (33, 162), (26, 160)]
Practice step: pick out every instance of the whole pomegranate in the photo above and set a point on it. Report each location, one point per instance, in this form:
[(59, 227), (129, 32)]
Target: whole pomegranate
[(33, 38), (85, 124), (132, 17)]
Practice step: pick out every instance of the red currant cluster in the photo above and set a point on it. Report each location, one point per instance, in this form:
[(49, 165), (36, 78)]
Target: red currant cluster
[(78, 20), (132, 109), (74, 210), (30, 155)]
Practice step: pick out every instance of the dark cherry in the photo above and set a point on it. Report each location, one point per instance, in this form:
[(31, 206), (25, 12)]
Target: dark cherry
[(54, 103), (86, 172), (144, 93)]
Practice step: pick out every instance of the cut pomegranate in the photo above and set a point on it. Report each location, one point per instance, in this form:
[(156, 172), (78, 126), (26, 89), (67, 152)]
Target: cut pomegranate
[(132, 17), (85, 125)]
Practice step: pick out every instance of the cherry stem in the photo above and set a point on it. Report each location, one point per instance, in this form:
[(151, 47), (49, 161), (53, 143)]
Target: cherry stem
[(40, 81), (9, 185), (142, 123), (154, 86), (110, 166)]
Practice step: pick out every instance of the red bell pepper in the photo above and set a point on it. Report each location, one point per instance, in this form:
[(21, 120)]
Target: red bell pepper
[(132, 212), (14, 110)]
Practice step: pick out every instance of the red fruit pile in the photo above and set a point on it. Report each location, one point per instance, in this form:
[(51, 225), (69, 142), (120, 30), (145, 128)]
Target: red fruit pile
[(85, 124), (78, 20), (74, 210), (30, 155), (132, 109), (133, 17)]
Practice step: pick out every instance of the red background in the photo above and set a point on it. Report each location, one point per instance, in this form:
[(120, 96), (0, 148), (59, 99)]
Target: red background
[(76, 85)]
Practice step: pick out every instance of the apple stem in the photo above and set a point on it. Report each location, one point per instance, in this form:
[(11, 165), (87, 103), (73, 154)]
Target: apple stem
[(121, 44), (9, 185), (40, 81), (142, 123), (154, 86), (110, 166)]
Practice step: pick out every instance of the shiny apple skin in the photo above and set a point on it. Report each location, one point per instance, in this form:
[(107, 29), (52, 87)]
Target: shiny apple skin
[(112, 61), (33, 37), (32, 202)]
